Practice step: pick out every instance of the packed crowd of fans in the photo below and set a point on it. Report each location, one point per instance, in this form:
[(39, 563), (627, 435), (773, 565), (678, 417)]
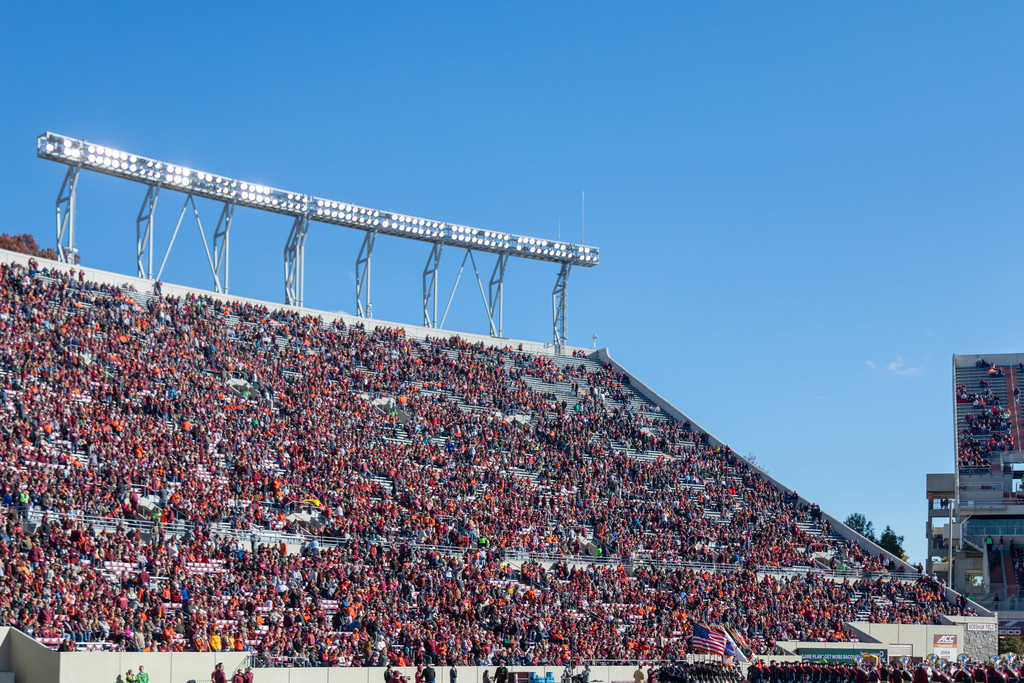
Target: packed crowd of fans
[(985, 427), (200, 414), (369, 604)]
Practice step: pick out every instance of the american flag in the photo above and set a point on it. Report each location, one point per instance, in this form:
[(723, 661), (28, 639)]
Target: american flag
[(708, 640)]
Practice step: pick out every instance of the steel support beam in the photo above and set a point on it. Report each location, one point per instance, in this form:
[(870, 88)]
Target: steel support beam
[(430, 286), (454, 287), (144, 233), (476, 273), (492, 303), (364, 307), (496, 291), (295, 261), (174, 236), (66, 216), (559, 307), (218, 260), (221, 233)]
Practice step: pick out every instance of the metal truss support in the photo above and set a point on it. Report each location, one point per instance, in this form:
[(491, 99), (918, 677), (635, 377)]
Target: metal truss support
[(364, 308), (496, 291), (559, 306), (220, 248), (295, 261), (174, 235), (430, 286), (144, 233), (495, 300), (66, 216), (492, 305), (455, 286)]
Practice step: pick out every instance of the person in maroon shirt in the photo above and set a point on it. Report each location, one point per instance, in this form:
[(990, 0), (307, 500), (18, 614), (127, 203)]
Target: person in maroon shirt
[(218, 675)]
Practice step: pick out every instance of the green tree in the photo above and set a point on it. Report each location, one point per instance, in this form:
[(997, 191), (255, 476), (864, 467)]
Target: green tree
[(893, 543), (862, 525), (1013, 644)]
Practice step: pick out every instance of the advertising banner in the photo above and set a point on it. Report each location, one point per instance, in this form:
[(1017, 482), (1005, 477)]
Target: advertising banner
[(1011, 627), (841, 655), (944, 646)]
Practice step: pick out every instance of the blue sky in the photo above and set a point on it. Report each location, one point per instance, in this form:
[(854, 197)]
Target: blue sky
[(804, 209)]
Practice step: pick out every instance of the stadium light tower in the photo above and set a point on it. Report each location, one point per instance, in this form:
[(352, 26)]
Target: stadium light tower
[(304, 209)]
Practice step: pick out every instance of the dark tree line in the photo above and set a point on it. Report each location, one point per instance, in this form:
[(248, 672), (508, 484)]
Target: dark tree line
[(888, 540), (25, 244)]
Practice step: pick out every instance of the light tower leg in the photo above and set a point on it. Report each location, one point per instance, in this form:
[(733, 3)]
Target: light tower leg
[(144, 233), (66, 216), (295, 262), (559, 306), (430, 286), (496, 290), (220, 248), (364, 308)]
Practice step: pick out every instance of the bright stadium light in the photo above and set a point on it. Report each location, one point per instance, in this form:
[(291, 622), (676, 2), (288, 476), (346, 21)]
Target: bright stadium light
[(141, 169), (303, 209)]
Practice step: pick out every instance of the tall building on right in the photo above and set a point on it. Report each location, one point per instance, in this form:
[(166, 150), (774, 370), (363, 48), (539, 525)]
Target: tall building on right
[(976, 513)]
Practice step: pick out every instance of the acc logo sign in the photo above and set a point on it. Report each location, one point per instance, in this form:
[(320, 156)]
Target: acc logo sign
[(945, 640)]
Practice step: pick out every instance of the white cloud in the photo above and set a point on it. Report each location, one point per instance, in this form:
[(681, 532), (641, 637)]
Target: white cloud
[(898, 367)]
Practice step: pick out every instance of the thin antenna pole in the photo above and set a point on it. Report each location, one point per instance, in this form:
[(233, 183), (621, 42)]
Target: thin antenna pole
[(559, 230), (583, 215)]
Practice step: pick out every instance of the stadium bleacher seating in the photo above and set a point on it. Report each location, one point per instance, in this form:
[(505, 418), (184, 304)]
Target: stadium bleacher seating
[(454, 501), (988, 422)]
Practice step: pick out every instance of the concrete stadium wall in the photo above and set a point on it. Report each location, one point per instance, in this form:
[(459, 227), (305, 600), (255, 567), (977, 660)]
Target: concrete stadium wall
[(5, 649), (162, 667), (977, 644), (32, 662), (919, 637), (144, 285), (26, 658)]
